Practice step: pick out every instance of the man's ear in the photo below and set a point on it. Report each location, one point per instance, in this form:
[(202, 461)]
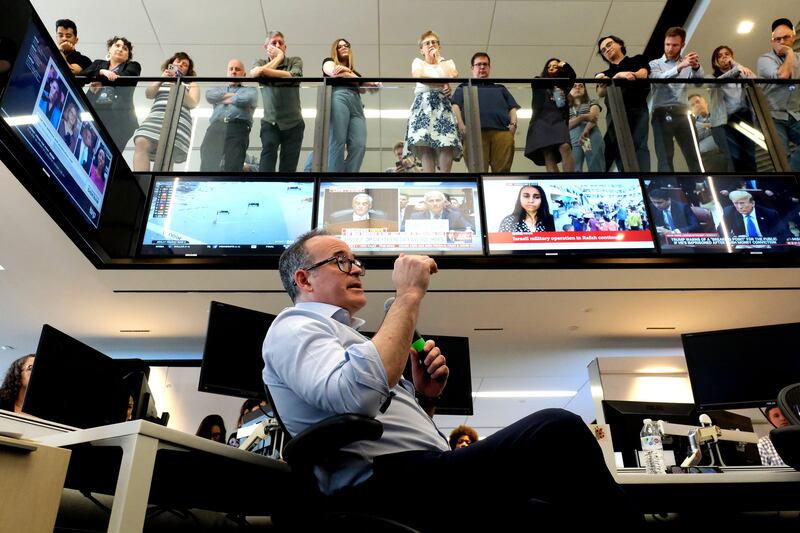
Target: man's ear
[(303, 281)]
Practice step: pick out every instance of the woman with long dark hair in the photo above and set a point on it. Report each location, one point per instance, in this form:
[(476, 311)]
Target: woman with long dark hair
[(15, 384), (212, 427), (728, 107), (148, 135), (547, 142), (531, 212)]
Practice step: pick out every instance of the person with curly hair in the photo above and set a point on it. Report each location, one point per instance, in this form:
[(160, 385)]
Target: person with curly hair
[(463, 436), (12, 392)]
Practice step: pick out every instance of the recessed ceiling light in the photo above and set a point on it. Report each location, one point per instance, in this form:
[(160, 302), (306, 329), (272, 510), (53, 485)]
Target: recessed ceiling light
[(745, 26), (1, 267), (7, 347)]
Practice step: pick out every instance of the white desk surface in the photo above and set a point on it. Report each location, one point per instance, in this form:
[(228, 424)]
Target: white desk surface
[(744, 474), (165, 436)]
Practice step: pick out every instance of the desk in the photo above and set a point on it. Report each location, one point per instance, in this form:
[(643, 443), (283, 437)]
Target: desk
[(737, 489), (165, 466)]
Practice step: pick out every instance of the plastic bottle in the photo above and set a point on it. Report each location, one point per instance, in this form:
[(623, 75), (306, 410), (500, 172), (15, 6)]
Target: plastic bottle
[(652, 448)]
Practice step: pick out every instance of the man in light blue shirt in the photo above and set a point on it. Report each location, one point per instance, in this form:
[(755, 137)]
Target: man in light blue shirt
[(670, 115), (317, 365), (781, 63)]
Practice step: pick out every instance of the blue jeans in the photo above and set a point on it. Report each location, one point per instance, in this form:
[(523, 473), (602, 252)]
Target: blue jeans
[(789, 130), (348, 128), (596, 158)]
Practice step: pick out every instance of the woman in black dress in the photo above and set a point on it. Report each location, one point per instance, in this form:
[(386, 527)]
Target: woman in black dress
[(547, 142)]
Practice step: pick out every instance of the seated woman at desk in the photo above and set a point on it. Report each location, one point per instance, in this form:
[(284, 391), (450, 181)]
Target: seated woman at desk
[(12, 392), (213, 428)]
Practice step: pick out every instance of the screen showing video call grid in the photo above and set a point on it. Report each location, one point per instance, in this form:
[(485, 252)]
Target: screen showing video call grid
[(209, 216), (43, 109), (569, 215), (429, 217), (725, 214)]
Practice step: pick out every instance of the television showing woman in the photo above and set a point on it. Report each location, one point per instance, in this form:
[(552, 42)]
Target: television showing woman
[(531, 212), (99, 169), (70, 125)]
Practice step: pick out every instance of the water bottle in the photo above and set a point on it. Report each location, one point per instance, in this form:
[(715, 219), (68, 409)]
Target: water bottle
[(558, 97), (652, 448)]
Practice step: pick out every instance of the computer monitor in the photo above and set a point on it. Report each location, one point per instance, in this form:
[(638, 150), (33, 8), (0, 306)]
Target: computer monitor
[(457, 395), (572, 215), (626, 419), (385, 218), (74, 384), (49, 116), (738, 368), (213, 216), (135, 374), (232, 358)]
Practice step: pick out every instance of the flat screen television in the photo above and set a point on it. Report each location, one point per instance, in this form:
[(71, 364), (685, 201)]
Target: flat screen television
[(572, 215), (738, 368), (381, 217), (45, 110), (725, 214), (206, 216), (626, 419), (457, 395), (232, 357), (74, 384)]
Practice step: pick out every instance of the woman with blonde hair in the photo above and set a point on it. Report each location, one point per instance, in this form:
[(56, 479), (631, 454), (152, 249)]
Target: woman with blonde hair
[(348, 126)]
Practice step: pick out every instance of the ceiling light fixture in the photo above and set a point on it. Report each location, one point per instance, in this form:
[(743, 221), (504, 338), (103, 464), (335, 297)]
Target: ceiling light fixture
[(525, 394), (745, 26), (134, 331), (658, 328), (7, 347), (1, 267)]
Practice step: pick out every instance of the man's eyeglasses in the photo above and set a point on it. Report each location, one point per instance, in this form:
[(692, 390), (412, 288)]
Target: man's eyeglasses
[(480, 65), (345, 264), (782, 38), (430, 42), (343, 46)]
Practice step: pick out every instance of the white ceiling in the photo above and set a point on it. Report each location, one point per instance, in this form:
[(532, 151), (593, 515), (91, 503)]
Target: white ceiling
[(554, 321)]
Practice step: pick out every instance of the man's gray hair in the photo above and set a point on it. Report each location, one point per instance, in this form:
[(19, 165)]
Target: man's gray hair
[(294, 258), (363, 195), (273, 33), (429, 194)]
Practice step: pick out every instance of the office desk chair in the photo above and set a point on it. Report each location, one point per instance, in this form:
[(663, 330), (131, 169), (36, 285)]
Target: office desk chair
[(318, 445), (787, 439)]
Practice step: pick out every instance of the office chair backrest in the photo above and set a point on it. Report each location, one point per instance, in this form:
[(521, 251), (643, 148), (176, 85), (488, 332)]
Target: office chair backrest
[(789, 402)]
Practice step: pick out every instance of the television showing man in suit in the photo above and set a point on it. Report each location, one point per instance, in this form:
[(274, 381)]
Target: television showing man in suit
[(436, 209), (671, 217), (84, 149), (745, 222), (362, 210)]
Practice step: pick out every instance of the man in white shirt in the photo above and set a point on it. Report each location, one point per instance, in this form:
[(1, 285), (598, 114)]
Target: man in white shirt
[(317, 364), (669, 113)]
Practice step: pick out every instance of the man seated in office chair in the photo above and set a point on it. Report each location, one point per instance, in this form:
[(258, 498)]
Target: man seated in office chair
[(317, 365), (769, 455)]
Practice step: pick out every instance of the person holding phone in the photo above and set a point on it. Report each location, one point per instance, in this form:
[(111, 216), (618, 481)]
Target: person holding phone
[(147, 137)]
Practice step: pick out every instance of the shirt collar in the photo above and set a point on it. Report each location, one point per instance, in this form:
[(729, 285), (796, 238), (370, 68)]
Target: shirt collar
[(335, 312)]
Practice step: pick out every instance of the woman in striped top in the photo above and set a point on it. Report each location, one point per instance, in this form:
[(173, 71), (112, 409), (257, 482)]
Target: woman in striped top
[(146, 138), (587, 142)]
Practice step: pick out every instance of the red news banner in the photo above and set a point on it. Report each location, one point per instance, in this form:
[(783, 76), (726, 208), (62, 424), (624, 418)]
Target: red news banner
[(551, 237)]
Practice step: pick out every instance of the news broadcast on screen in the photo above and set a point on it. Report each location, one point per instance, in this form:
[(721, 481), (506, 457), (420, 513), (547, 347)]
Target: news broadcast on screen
[(392, 217), (570, 215), (725, 214)]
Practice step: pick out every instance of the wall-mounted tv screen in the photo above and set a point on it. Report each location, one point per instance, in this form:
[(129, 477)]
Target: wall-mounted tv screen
[(223, 216), (376, 217), (548, 215), (725, 214), (740, 368), (232, 360), (44, 108)]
